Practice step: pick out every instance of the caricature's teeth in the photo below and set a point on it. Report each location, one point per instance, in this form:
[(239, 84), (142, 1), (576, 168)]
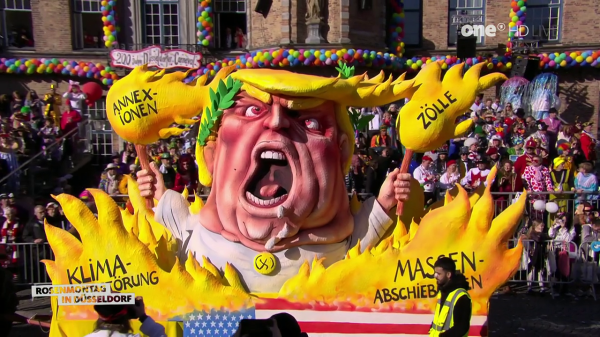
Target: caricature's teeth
[(269, 202), (276, 155)]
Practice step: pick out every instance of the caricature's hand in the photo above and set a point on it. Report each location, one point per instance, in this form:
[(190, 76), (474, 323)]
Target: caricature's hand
[(151, 183), (395, 188)]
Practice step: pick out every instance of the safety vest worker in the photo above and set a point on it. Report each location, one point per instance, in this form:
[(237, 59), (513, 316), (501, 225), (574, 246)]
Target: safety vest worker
[(452, 316)]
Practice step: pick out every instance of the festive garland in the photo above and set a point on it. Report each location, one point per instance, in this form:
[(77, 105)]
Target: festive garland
[(518, 14), (396, 28), (220, 100), (109, 19), (205, 31), (282, 58), (90, 70)]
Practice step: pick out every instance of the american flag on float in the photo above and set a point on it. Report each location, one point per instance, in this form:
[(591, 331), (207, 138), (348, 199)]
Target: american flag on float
[(323, 321)]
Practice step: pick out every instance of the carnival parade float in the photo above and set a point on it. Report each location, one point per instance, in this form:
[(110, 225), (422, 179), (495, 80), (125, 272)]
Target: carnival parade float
[(278, 232)]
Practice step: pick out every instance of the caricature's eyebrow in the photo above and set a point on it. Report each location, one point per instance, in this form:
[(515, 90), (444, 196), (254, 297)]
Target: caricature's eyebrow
[(291, 103)]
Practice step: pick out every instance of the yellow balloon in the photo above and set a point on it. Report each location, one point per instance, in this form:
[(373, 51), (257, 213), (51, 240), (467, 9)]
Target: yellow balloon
[(265, 263)]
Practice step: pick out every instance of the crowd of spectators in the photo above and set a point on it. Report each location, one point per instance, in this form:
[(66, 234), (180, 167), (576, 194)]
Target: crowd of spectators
[(31, 124)]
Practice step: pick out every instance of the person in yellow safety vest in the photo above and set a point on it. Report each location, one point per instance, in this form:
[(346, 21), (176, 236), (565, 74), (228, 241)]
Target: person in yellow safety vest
[(453, 310)]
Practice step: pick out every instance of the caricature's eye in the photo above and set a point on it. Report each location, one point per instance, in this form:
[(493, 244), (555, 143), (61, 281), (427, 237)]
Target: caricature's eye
[(252, 111), (312, 124)]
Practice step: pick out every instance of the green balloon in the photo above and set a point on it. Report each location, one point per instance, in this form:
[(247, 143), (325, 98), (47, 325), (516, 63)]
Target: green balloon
[(205, 42), (523, 9), (521, 3), (515, 18)]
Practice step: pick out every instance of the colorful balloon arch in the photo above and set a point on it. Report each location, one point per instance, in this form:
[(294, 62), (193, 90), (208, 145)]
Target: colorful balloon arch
[(283, 58)]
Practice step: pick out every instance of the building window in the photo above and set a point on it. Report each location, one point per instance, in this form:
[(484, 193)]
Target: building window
[(413, 22), (544, 19), (17, 23), (464, 12), (161, 23), (87, 32), (230, 24), (100, 133)]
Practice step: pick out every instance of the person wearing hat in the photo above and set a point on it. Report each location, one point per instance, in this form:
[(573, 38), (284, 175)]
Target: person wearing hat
[(440, 163), (477, 175), (123, 185), (382, 139), (588, 142), (541, 136), (53, 102), (563, 150), (122, 168), (562, 179), (493, 156), (525, 160), (55, 217), (464, 164), (427, 178), (168, 172), (517, 149), (111, 179), (75, 96), (537, 179), (21, 116), (450, 177)]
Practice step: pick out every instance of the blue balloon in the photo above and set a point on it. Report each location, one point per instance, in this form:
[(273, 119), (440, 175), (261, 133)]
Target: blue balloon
[(296, 62), (208, 9), (350, 51), (334, 57), (111, 3), (285, 53)]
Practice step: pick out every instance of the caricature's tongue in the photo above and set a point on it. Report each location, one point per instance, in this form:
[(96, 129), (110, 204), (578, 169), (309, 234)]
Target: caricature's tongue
[(273, 178)]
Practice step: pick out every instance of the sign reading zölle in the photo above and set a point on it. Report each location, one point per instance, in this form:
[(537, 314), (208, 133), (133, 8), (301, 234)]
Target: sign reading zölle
[(154, 57)]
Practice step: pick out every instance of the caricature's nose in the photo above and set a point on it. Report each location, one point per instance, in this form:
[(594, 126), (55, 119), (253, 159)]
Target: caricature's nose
[(277, 118)]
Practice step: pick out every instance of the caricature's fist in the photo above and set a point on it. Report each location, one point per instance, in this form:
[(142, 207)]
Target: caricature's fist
[(395, 188)]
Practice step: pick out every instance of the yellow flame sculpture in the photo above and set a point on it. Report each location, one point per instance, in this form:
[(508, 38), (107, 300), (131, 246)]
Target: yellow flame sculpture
[(463, 225)]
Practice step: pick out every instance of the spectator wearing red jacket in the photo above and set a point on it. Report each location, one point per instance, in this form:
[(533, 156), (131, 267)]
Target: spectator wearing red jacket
[(69, 119), (588, 142)]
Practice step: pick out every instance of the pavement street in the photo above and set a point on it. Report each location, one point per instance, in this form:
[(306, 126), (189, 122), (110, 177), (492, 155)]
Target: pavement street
[(510, 315)]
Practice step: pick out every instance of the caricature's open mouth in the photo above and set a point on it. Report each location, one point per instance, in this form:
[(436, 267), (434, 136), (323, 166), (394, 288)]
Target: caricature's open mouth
[(271, 181)]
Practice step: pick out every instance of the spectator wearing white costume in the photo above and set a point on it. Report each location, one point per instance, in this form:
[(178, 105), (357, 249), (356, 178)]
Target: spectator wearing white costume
[(75, 96), (477, 175)]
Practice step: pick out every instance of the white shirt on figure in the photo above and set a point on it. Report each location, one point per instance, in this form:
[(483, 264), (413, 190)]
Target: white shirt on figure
[(370, 224)]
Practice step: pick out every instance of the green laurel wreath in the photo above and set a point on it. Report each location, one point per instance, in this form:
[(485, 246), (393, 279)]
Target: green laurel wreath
[(345, 71), (220, 100)]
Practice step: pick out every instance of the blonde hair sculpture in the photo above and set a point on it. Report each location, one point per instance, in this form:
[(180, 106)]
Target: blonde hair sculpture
[(181, 102)]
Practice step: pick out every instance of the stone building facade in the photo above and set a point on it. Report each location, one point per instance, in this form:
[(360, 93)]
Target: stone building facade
[(58, 29)]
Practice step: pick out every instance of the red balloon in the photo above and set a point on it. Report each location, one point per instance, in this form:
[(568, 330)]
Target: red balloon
[(93, 91)]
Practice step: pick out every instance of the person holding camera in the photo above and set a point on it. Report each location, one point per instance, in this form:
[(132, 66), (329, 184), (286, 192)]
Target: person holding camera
[(114, 321)]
